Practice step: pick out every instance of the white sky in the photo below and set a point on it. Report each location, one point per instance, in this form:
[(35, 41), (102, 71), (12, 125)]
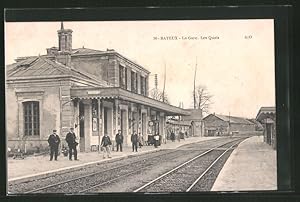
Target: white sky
[(238, 72)]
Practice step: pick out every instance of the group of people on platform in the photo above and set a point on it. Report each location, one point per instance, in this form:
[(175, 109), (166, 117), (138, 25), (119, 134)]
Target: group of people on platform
[(137, 141), (180, 135), (54, 142)]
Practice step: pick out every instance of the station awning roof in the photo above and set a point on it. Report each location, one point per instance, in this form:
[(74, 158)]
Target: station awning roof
[(177, 122), (119, 93), (266, 112)]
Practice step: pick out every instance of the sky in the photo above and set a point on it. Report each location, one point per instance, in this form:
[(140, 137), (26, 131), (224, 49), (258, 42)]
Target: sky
[(234, 58)]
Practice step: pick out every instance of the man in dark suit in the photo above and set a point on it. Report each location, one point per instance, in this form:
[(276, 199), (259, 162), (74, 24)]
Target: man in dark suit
[(119, 140), (134, 141), (53, 141), (71, 140)]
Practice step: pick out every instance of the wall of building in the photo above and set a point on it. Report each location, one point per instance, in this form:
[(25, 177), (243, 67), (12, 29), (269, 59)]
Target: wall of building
[(106, 68), (48, 95), (214, 123), (223, 128), (128, 113), (129, 67), (197, 126), (103, 67)]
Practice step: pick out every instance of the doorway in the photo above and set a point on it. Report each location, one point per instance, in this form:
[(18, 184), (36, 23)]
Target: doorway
[(81, 127), (107, 121), (144, 125), (135, 122), (211, 133), (124, 126)]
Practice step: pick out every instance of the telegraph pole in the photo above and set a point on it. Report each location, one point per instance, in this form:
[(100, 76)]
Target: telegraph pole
[(229, 124), (163, 93), (195, 84)]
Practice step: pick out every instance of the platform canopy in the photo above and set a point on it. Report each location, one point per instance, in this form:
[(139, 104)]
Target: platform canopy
[(266, 113), (121, 94)]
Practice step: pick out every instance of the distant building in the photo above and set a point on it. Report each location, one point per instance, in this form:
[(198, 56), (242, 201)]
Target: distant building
[(218, 125), (195, 117), (94, 91), (267, 117), (258, 125)]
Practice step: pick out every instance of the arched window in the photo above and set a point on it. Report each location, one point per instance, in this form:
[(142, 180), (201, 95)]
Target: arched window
[(31, 118)]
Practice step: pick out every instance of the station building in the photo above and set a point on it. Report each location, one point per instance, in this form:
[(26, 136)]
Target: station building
[(267, 117), (218, 125), (196, 120), (94, 91)]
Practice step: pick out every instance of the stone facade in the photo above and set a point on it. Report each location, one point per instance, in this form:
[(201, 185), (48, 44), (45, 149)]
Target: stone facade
[(47, 94), (195, 117), (87, 89)]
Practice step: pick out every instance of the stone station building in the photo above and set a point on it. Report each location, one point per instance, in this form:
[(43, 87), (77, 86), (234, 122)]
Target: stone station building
[(96, 92)]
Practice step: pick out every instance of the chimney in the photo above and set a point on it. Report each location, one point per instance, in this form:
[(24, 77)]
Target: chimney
[(64, 39), (52, 51), (64, 45)]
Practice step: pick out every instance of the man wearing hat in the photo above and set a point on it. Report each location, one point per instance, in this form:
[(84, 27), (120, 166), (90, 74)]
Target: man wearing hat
[(71, 140), (53, 141), (119, 139)]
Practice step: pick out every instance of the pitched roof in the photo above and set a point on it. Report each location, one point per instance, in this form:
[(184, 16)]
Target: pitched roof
[(231, 119), (36, 66), (196, 114), (41, 66), (80, 51), (88, 51)]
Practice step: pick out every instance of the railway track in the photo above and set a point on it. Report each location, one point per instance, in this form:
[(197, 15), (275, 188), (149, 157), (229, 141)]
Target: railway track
[(98, 178), (101, 177), (186, 177)]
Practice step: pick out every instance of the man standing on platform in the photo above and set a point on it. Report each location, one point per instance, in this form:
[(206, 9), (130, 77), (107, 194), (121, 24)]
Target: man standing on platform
[(134, 141), (53, 141), (105, 144), (119, 140), (156, 140), (72, 144)]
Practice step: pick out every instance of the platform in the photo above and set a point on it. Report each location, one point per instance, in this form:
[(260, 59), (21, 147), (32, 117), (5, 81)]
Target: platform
[(251, 166), (37, 165)]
